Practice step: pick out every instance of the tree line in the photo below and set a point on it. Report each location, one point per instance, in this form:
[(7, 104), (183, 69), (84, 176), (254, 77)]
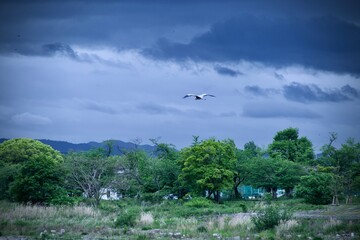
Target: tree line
[(32, 172)]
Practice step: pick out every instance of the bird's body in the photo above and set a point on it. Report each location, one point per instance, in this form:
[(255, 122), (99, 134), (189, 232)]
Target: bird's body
[(198, 96)]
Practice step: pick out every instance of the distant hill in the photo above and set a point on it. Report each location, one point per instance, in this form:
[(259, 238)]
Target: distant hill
[(118, 146)]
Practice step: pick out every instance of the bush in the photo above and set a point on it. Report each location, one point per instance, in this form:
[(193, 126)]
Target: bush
[(152, 197), (267, 197), (128, 217), (199, 203), (269, 217), (33, 172), (315, 188)]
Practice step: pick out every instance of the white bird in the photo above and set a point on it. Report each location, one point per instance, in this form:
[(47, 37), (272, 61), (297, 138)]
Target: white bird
[(198, 97)]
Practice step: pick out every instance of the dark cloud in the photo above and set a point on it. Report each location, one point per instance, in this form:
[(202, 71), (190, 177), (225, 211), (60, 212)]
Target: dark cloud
[(227, 71), (30, 119), (258, 91), (95, 106), (52, 49), (347, 89), (279, 76), (156, 109), (228, 114), (269, 110), (312, 93), (325, 43)]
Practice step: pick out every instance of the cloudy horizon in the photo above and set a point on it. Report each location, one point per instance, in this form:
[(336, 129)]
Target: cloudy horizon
[(82, 71)]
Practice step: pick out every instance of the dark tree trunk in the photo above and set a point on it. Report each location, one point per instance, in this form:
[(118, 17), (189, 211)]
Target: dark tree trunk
[(273, 191), (237, 194), (288, 192), (217, 196)]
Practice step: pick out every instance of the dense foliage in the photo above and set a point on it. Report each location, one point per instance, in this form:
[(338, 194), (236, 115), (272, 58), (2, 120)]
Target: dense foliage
[(31, 171), (315, 188), (207, 167)]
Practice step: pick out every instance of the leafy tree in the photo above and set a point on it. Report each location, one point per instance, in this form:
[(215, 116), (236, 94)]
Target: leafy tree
[(133, 170), (288, 175), (241, 166), (91, 172), (262, 173), (149, 177), (166, 169), (31, 171), (342, 163), (272, 173), (315, 188), (7, 176), (19, 150), (289, 146), (208, 166)]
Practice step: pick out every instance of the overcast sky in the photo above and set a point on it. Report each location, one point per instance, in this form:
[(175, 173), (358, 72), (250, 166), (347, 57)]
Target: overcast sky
[(84, 71)]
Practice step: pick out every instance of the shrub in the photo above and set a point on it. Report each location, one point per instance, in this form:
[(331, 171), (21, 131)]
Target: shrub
[(199, 203), (267, 197), (315, 188), (128, 217), (269, 217), (31, 172), (243, 207)]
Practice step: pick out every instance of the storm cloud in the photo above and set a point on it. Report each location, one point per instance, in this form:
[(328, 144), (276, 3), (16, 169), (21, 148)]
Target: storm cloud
[(95, 70), (312, 93), (227, 71), (271, 110), (258, 91), (325, 43)]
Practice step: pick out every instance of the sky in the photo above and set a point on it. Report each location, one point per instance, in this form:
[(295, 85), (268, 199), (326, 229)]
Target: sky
[(83, 71)]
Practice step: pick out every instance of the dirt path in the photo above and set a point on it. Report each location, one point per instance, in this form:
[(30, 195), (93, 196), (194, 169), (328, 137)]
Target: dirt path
[(344, 212)]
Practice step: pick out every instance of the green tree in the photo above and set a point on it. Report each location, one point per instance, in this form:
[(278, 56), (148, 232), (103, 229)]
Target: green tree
[(289, 146), (272, 174), (342, 163), (166, 169), (91, 172), (262, 173), (315, 188), (32, 171), (241, 166), (207, 166)]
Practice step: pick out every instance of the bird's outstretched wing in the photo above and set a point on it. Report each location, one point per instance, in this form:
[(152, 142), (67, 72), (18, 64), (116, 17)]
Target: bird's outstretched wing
[(189, 95), (205, 94)]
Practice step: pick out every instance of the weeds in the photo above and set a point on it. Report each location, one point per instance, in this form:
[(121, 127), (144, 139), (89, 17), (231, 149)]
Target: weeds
[(195, 219), (269, 217), (128, 217)]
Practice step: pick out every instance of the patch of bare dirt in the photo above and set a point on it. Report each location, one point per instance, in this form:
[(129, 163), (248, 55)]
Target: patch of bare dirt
[(343, 212)]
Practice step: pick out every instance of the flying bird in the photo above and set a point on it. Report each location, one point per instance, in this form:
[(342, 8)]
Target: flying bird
[(199, 96)]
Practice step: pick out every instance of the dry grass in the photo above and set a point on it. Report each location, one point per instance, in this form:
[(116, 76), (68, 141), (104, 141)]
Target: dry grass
[(146, 218), (331, 223), (30, 212), (230, 221), (188, 224), (285, 226), (18, 219), (240, 219)]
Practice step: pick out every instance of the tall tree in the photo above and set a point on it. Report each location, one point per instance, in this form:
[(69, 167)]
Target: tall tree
[(208, 166), (289, 146), (166, 169), (272, 173), (33, 172), (133, 168), (241, 166), (343, 164), (315, 188), (91, 172)]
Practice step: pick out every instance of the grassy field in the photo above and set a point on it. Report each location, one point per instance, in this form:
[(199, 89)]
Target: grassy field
[(175, 219)]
